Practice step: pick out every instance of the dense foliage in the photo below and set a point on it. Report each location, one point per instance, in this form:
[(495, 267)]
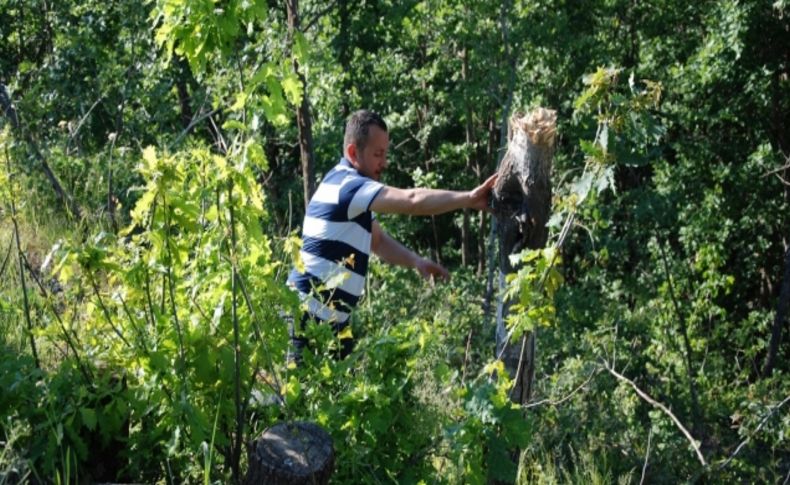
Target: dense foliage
[(151, 192)]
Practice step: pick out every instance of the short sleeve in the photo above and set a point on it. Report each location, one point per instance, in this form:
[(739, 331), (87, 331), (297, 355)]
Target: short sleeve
[(363, 197)]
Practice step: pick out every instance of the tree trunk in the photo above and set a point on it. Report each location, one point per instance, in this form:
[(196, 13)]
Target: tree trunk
[(181, 71), (481, 233), (303, 120), (779, 319), (465, 250), (290, 454), (522, 204)]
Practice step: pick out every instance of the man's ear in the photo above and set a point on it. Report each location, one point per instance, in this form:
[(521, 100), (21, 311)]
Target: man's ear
[(351, 153)]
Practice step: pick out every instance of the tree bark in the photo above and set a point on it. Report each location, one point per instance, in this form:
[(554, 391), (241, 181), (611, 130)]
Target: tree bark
[(290, 454), (522, 204), (481, 234), (181, 71), (303, 120), (465, 250), (779, 319)]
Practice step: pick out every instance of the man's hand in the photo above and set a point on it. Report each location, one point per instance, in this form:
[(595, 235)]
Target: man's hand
[(430, 270), (478, 198)]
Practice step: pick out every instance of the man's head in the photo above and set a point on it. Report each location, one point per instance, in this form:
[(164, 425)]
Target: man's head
[(365, 143)]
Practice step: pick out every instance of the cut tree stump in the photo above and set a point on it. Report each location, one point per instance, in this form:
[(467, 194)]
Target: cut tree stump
[(522, 205), (290, 454)]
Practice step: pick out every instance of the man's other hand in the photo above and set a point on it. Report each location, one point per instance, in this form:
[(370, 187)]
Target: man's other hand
[(431, 271), (479, 196)]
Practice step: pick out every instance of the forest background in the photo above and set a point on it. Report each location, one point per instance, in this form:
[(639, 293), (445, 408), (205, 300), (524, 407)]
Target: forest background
[(155, 159)]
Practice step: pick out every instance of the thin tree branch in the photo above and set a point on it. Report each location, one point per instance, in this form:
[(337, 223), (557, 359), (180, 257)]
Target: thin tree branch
[(784, 182), (663, 408), (319, 14), (197, 119), (105, 310), (7, 256), (256, 327), (647, 456), (20, 255), (692, 374), (236, 453), (10, 112), (777, 170), (756, 430), (73, 134), (221, 144), (69, 341), (560, 401), (466, 354)]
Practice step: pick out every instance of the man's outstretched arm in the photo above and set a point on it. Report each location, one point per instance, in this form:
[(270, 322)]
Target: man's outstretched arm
[(391, 251), (427, 202)]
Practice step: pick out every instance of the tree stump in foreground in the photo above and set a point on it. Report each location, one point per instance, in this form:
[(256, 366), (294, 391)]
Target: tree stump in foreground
[(522, 205), (290, 454)]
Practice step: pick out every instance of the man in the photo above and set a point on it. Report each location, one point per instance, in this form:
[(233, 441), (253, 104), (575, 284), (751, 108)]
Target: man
[(339, 229)]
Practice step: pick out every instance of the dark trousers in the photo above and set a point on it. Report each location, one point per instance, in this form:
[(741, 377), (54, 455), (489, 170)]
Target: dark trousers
[(299, 343)]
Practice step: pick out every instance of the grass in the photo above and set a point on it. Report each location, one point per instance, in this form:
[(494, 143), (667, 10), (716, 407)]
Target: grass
[(544, 467)]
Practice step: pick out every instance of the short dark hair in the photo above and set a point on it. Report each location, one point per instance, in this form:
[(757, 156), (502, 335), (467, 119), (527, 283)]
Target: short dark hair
[(358, 128)]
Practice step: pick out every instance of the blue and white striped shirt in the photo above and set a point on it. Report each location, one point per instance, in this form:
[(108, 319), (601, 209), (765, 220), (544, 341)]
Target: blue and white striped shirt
[(336, 237)]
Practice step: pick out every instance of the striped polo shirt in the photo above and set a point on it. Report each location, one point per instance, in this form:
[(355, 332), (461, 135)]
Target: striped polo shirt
[(336, 237)]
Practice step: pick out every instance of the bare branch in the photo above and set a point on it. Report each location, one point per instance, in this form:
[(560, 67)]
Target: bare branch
[(785, 182), (777, 170), (560, 401), (73, 134), (647, 455), (663, 408), (197, 119)]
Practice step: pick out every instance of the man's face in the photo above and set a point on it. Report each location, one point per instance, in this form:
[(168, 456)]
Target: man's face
[(371, 160)]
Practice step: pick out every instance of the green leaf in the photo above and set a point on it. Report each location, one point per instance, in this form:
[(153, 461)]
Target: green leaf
[(500, 466), (292, 87), (336, 280), (240, 102), (257, 156), (300, 48), (88, 418), (581, 187), (234, 125)]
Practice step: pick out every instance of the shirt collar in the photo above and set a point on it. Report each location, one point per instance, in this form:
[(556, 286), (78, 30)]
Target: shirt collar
[(344, 164)]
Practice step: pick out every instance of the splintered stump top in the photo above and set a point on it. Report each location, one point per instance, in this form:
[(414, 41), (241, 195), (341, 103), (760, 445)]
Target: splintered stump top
[(291, 453), (522, 193)]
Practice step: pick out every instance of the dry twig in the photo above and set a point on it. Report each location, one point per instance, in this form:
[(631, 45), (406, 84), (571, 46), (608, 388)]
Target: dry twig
[(663, 408)]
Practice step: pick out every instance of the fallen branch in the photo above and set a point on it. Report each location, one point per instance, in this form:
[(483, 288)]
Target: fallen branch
[(663, 408)]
